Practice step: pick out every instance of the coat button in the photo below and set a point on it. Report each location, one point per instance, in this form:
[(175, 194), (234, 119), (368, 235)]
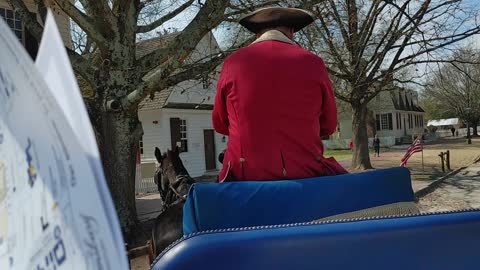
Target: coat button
[(242, 160)]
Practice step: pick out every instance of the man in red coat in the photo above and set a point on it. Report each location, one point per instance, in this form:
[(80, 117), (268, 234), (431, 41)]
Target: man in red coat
[(275, 100)]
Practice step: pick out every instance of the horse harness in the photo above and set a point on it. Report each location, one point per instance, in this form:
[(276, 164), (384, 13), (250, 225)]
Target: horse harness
[(173, 186)]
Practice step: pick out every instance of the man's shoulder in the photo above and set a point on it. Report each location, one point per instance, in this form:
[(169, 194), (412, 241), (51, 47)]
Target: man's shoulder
[(313, 56), (247, 51)]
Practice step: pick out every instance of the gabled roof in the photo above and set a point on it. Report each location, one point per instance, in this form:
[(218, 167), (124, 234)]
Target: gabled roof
[(406, 105), (160, 99), (157, 102), (394, 99), (401, 104), (147, 46)]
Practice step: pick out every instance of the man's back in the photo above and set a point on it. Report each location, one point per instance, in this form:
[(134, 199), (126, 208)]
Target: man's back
[(279, 101)]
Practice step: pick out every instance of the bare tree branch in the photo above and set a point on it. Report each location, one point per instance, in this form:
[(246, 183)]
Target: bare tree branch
[(328, 38), (161, 80), (162, 20), (81, 66), (99, 10), (85, 22), (340, 24), (209, 16), (159, 83)]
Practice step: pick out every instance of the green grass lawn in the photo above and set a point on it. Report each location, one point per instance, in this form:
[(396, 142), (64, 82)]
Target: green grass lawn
[(347, 154), (338, 154)]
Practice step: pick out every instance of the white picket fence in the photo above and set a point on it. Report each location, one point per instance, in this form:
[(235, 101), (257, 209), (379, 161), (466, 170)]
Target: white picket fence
[(146, 185)]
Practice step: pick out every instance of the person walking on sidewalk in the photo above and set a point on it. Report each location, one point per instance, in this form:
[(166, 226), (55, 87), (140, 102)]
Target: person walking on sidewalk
[(376, 146)]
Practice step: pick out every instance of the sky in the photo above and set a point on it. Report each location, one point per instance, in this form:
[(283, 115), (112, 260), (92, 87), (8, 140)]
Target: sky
[(223, 32)]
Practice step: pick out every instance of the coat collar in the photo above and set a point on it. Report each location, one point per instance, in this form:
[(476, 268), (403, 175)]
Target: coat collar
[(273, 35)]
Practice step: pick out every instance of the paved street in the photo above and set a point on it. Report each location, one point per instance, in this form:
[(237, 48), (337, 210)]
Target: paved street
[(457, 192)]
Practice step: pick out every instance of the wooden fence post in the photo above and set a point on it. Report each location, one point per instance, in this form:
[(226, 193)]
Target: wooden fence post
[(448, 160), (442, 160)]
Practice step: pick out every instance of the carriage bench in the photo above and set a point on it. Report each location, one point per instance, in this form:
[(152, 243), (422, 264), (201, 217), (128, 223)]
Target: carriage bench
[(269, 225)]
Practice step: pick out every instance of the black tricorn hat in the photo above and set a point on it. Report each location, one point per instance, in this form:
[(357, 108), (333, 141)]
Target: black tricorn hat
[(276, 16)]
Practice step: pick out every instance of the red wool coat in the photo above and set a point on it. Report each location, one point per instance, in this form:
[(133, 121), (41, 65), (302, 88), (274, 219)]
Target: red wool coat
[(274, 100)]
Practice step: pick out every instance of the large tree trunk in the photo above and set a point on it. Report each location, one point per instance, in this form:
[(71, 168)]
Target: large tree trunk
[(361, 156), (119, 135), (475, 129)]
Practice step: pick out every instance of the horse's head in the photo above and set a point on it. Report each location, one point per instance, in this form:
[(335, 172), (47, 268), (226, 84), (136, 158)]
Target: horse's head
[(171, 176)]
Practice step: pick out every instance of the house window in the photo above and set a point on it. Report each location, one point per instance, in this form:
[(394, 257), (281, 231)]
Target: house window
[(386, 121), (178, 132), (140, 145), (13, 21)]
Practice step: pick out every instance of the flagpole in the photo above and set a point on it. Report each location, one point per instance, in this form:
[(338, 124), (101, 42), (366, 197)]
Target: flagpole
[(423, 166)]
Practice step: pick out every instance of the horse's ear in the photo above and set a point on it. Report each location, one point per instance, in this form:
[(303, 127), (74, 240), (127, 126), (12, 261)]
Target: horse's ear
[(158, 155)]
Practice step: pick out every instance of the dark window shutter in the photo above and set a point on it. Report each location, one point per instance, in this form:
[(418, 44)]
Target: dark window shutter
[(377, 122), (31, 44), (175, 131), (390, 121)]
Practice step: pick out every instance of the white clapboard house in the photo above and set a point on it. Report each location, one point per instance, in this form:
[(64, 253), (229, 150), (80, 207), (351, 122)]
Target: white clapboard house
[(398, 114), (182, 116)]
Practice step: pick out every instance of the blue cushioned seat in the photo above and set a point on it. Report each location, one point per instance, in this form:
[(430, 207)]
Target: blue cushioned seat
[(242, 204), (441, 241)]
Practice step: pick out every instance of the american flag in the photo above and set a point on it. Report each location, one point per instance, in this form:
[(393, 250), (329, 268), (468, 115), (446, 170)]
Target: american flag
[(414, 148)]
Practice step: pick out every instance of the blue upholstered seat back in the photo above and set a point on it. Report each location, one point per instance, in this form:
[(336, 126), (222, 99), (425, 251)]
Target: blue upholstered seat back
[(442, 241), (242, 204)]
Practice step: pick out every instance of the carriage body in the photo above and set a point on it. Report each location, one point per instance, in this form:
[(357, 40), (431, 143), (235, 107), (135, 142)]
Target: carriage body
[(269, 225)]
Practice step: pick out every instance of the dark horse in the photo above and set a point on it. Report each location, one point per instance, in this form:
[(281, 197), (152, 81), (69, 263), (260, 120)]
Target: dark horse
[(173, 183)]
